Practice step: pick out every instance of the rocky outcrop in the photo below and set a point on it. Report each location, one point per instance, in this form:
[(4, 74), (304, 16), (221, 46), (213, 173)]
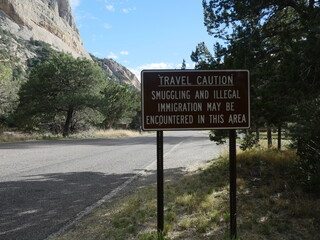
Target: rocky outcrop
[(117, 71), (50, 21), (120, 72)]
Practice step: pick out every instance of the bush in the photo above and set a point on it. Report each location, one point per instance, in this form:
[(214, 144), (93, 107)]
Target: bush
[(218, 136), (250, 141), (309, 163)]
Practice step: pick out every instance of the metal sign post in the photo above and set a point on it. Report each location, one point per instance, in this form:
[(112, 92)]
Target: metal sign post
[(160, 201), (233, 183)]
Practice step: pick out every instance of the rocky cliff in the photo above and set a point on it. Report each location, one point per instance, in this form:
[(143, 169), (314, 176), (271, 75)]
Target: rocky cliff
[(122, 73), (50, 21), (118, 72)]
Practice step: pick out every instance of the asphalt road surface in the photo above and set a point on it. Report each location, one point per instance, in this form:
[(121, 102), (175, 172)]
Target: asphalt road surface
[(46, 186)]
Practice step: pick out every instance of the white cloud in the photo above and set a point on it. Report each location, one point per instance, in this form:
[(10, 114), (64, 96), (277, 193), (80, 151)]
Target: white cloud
[(110, 8), (80, 15), (124, 53), (97, 54), (136, 72), (161, 65), (112, 55), (127, 10), (156, 66), (74, 3), (180, 65), (107, 26)]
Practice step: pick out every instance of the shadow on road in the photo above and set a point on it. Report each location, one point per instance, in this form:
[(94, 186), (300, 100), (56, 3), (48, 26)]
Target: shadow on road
[(41, 204)]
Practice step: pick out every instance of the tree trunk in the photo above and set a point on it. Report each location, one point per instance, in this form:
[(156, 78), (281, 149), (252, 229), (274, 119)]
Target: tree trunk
[(269, 136), (279, 138), (257, 134), (299, 146), (66, 127)]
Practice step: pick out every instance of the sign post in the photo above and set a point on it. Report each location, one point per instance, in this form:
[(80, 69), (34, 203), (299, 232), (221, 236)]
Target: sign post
[(233, 183), (196, 100), (160, 208)]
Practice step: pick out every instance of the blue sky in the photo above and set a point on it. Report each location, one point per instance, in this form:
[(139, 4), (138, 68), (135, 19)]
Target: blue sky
[(142, 34)]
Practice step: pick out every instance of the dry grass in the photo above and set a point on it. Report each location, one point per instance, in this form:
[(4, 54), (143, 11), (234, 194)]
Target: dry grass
[(94, 133), (263, 143), (23, 137), (271, 205), (109, 133), (273, 198)]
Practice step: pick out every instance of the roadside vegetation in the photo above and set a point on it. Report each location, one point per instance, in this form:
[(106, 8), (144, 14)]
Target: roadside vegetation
[(271, 200), (93, 133)]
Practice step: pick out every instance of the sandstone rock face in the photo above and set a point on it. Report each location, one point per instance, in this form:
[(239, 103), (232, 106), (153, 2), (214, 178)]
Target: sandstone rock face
[(117, 72), (50, 21), (120, 72)]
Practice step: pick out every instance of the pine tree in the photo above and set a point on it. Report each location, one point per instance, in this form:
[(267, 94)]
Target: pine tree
[(183, 65)]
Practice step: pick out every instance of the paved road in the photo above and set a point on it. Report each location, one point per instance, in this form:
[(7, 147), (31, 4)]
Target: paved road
[(45, 185)]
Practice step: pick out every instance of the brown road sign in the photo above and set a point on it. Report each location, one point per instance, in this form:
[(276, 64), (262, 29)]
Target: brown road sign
[(195, 99)]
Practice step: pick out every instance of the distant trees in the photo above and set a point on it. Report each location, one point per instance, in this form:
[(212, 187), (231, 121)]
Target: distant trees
[(11, 76), (43, 52), (8, 90), (119, 102)]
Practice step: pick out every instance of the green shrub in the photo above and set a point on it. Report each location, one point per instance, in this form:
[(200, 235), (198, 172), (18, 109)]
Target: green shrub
[(249, 141)]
